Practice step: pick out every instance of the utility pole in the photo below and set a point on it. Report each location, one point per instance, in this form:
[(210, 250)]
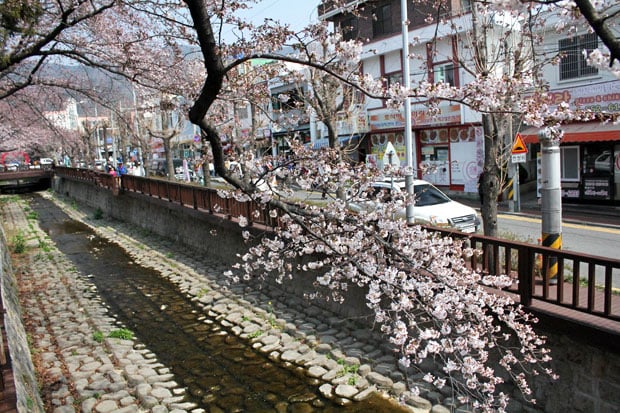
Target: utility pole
[(551, 194), (410, 148)]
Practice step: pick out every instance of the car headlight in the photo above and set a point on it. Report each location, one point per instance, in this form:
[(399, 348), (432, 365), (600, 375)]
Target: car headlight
[(439, 221)]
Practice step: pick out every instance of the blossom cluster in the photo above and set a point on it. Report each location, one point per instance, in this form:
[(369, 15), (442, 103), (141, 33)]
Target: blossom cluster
[(426, 297)]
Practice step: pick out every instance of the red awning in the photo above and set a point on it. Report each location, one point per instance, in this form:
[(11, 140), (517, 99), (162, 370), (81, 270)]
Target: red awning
[(579, 132)]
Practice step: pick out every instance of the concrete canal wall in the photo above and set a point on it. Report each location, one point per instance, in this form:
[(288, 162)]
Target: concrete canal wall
[(202, 232), (27, 394), (588, 364)]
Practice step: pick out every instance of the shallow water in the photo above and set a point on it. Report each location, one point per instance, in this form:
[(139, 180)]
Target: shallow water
[(219, 369)]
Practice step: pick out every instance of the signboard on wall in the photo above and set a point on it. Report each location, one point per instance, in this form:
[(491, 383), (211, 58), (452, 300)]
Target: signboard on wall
[(617, 171), (597, 188), (466, 157)]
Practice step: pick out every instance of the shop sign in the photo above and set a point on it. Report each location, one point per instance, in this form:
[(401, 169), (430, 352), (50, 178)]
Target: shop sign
[(386, 120), (570, 193), (448, 114), (602, 97), (597, 188)]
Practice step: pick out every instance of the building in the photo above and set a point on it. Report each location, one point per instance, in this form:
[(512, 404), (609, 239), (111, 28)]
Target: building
[(589, 151), (450, 143)]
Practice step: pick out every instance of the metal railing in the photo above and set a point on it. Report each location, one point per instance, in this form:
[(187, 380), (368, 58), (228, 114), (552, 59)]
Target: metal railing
[(584, 283)]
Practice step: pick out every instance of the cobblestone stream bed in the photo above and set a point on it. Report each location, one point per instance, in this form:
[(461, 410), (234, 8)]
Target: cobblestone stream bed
[(201, 345)]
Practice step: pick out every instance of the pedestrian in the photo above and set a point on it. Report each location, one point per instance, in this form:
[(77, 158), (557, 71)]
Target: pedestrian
[(121, 169)]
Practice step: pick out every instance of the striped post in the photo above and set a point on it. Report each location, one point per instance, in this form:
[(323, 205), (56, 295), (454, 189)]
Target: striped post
[(551, 270), (509, 187)]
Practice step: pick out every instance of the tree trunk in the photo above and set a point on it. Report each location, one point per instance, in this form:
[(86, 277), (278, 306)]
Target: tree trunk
[(490, 182), (169, 163)]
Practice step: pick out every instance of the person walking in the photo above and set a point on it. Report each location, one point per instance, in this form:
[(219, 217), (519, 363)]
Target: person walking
[(121, 169)]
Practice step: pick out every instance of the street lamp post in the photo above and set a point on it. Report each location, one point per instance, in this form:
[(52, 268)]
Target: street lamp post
[(409, 143), (551, 194)]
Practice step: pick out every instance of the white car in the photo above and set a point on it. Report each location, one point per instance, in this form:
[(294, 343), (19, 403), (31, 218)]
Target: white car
[(432, 207)]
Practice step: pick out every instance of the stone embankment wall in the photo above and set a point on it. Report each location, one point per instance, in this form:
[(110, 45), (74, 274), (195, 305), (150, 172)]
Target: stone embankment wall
[(210, 234), (589, 370), (26, 388)]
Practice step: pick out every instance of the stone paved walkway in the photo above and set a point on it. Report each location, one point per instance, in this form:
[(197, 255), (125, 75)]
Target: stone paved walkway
[(117, 375)]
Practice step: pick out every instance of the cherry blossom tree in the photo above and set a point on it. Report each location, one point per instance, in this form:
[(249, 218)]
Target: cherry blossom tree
[(45, 45), (424, 297), (25, 127)]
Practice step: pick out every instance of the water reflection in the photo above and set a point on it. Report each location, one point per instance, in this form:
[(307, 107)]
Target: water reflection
[(220, 370)]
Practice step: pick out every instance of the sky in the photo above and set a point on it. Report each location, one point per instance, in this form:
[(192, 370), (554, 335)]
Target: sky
[(297, 13)]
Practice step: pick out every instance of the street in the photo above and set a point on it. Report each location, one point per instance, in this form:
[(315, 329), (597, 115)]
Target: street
[(585, 238)]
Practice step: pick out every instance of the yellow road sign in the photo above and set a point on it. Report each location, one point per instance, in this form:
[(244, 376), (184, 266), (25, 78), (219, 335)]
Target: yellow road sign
[(519, 146)]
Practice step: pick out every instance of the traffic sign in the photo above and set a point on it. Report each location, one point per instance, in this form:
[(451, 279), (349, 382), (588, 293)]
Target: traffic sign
[(518, 157), (519, 146)]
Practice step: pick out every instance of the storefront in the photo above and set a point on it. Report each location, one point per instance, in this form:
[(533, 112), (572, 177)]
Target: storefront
[(282, 139), (589, 160), (448, 156)]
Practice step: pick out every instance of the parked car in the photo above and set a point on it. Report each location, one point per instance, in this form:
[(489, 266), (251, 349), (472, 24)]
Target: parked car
[(432, 206), (12, 166)]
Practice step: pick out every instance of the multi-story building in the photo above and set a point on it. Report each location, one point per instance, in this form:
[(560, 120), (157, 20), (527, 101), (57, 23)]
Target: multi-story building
[(590, 151), (453, 140), (450, 142)]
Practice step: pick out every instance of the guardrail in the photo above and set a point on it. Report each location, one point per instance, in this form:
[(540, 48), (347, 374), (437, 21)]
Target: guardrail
[(585, 283)]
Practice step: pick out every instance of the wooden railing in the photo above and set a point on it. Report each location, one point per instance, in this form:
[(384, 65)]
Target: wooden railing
[(584, 283)]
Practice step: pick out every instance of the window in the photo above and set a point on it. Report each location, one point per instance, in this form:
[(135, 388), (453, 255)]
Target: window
[(444, 73), (572, 62), (241, 112), (348, 28), (291, 99), (394, 78), (382, 20), (465, 5), (569, 160)]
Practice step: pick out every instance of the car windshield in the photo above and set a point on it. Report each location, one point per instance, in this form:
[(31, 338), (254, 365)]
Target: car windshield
[(426, 195)]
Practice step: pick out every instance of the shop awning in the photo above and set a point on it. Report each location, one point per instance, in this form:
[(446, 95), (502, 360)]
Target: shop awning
[(579, 132), (343, 139), (348, 138)]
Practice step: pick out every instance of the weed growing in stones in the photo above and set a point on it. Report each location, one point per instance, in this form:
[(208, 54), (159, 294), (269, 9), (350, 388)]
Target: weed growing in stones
[(98, 214), (98, 336), (122, 333), (19, 243), (255, 334), (44, 246), (271, 318)]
